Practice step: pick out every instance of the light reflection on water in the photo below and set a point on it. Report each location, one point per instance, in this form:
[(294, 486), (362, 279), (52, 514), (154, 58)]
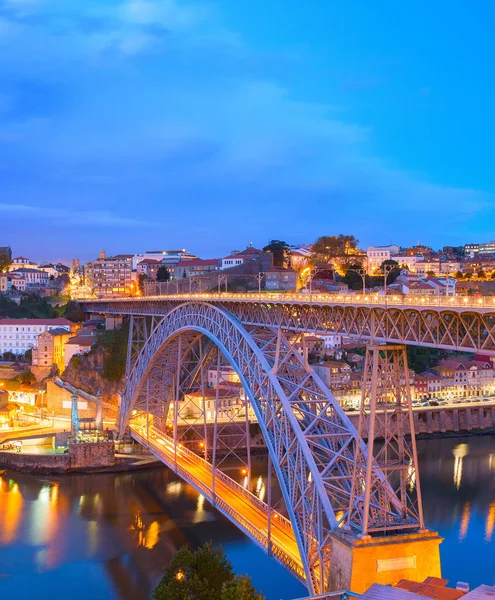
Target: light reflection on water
[(109, 536)]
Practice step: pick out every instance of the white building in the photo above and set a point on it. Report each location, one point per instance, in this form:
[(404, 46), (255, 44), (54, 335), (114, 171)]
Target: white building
[(377, 254), (19, 335), (225, 374), (21, 262), (32, 277), (166, 257)]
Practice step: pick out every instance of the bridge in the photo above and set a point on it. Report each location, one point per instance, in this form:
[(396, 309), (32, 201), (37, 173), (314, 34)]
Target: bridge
[(447, 322), (346, 514)]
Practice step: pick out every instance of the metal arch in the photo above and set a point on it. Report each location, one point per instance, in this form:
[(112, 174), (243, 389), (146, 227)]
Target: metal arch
[(310, 440)]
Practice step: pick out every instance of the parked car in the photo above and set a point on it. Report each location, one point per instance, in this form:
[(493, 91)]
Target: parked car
[(434, 403)]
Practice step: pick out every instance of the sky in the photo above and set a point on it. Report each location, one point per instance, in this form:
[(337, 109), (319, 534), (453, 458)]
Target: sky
[(136, 125)]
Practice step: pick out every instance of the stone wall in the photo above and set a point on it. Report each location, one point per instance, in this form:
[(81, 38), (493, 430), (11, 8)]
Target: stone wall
[(81, 457), (446, 419), (59, 400)]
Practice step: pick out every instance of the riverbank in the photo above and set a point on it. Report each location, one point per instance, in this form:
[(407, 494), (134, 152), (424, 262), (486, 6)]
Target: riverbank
[(80, 458)]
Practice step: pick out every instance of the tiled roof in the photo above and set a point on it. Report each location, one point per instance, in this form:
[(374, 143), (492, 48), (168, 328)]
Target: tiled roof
[(81, 340), (57, 321), (197, 262), (58, 331)]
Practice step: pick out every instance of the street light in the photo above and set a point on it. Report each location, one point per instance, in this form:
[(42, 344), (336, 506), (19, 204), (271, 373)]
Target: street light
[(362, 273), (222, 279), (387, 269)]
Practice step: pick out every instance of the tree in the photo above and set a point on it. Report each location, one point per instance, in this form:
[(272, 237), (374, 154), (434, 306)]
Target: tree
[(335, 248), (280, 251), (141, 279), (162, 274), (493, 275), (205, 574), (481, 274), (196, 575), (240, 588), (353, 278), (26, 377), (430, 273), (458, 275), (5, 263)]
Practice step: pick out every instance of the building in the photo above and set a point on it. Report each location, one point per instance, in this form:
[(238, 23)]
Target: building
[(50, 348), (34, 278), (169, 258), (148, 267), (195, 267), (80, 344), (21, 262), (228, 401), (314, 345), (300, 258), (110, 276), (239, 258), (282, 279), (376, 255), (19, 335), (55, 270), (225, 374), (333, 373), (5, 254), (472, 250)]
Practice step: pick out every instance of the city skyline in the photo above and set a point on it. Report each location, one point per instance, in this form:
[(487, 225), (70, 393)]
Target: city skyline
[(131, 125)]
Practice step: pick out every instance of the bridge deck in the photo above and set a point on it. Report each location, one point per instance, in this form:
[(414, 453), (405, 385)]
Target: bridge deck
[(477, 304), (239, 505)]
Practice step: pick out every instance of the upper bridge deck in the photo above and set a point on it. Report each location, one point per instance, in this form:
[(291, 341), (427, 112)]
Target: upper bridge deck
[(452, 323)]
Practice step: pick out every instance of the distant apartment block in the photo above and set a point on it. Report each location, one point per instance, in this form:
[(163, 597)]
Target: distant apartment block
[(110, 276), (19, 335)]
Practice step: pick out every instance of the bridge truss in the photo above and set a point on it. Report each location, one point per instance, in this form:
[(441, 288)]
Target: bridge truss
[(442, 324), (317, 456)]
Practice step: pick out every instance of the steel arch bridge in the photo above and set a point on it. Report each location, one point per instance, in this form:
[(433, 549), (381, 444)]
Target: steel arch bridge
[(311, 443)]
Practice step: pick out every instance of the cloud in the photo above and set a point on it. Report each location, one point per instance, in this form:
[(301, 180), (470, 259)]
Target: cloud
[(63, 216), (190, 124)]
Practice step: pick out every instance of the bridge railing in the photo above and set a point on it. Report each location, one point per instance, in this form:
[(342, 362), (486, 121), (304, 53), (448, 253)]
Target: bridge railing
[(156, 291), (259, 535)]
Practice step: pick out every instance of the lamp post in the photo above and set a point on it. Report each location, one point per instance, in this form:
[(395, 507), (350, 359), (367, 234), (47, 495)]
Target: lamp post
[(362, 273), (222, 279), (259, 277), (386, 272)]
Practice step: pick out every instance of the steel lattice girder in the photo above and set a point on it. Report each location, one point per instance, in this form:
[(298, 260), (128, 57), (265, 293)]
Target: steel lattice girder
[(452, 329), (310, 439)]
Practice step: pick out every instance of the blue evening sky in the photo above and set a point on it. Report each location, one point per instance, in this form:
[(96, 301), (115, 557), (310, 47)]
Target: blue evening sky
[(135, 124)]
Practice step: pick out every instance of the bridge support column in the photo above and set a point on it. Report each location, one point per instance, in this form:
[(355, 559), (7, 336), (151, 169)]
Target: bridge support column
[(113, 322), (358, 563)]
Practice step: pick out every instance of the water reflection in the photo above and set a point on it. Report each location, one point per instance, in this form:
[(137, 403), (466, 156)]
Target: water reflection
[(116, 533)]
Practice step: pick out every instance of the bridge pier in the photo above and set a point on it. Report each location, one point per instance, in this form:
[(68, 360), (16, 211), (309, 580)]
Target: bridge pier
[(358, 563)]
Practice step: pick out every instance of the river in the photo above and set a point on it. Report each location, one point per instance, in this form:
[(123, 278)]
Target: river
[(109, 536)]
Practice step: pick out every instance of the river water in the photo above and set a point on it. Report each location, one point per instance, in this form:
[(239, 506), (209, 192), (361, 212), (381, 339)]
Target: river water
[(109, 536)]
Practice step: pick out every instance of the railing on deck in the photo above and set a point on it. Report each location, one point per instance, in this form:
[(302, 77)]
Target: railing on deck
[(157, 291), (255, 533)]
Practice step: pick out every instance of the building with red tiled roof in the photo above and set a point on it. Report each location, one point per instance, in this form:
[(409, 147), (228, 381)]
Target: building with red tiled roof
[(196, 267), (238, 258)]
